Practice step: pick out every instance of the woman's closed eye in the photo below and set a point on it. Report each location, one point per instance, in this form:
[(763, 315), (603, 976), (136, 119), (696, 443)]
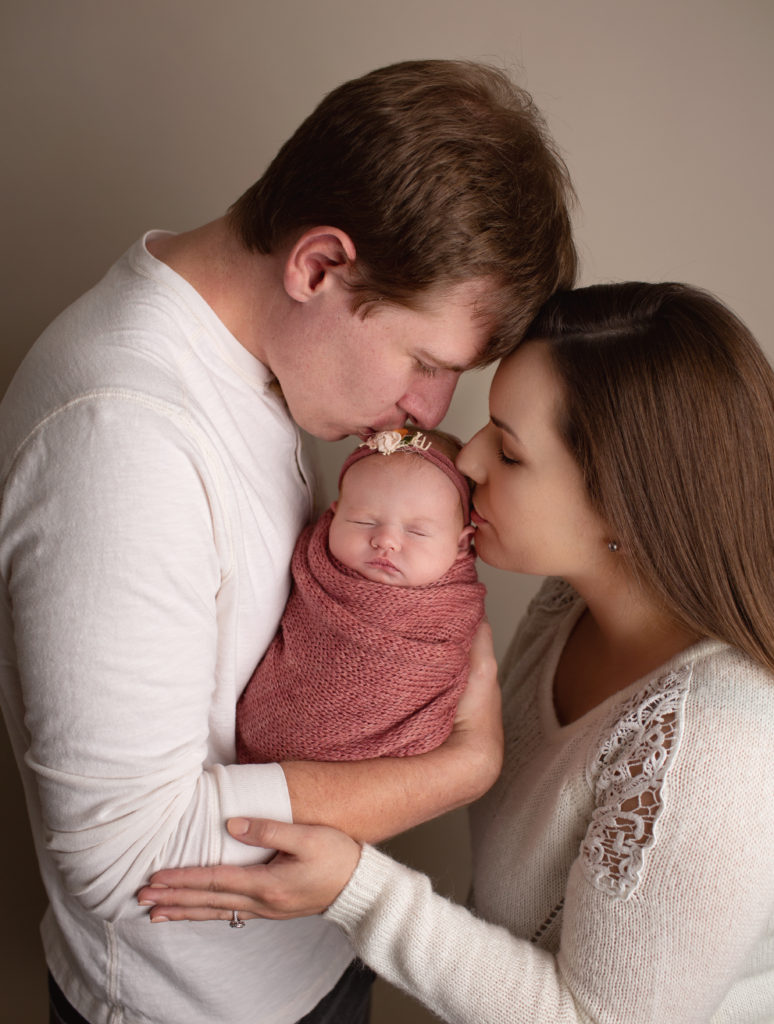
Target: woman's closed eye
[(506, 459)]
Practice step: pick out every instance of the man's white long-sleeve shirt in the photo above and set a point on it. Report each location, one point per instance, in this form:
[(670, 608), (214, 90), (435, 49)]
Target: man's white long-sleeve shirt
[(152, 493)]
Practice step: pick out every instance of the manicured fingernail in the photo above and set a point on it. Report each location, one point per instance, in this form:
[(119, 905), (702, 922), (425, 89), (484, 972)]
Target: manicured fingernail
[(155, 920), (238, 826), (147, 903)]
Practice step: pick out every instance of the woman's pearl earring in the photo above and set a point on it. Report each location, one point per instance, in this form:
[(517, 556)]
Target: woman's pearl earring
[(613, 545)]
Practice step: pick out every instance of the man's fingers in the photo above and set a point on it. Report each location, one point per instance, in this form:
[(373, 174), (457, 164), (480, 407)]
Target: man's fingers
[(482, 649)]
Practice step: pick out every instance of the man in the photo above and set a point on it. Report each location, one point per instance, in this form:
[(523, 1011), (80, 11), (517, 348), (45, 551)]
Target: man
[(153, 489)]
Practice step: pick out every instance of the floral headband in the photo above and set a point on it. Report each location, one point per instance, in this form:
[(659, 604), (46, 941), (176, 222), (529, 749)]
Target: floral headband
[(387, 442)]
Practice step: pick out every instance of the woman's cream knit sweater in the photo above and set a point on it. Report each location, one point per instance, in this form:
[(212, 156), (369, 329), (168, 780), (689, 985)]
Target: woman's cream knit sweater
[(623, 864)]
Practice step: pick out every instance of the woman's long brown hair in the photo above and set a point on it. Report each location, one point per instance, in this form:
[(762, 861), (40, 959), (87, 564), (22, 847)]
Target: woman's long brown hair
[(669, 411)]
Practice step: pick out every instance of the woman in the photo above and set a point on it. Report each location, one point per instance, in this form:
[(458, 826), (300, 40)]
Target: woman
[(622, 864)]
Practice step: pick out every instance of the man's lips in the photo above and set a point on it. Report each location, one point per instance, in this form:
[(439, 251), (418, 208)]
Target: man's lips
[(376, 428), (476, 518)]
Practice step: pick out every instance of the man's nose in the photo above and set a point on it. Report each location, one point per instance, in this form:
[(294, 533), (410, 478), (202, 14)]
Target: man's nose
[(427, 402)]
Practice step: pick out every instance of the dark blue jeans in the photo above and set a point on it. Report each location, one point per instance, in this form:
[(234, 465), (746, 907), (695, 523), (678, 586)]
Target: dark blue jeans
[(348, 1003)]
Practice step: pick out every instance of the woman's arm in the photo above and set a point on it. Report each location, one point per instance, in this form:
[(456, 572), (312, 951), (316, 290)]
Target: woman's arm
[(462, 968), (666, 947)]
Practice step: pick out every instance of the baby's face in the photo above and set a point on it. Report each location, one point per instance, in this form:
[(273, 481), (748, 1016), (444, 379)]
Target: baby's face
[(398, 520)]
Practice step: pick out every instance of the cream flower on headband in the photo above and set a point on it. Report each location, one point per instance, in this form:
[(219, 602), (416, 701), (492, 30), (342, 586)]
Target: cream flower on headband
[(388, 441)]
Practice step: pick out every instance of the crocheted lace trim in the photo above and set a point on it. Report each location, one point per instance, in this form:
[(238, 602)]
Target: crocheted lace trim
[(627, 777)]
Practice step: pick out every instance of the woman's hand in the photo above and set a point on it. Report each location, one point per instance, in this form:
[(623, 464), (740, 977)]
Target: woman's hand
[(312, 865)]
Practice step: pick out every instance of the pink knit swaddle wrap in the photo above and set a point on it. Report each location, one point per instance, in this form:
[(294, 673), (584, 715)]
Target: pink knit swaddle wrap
[(359, 669)]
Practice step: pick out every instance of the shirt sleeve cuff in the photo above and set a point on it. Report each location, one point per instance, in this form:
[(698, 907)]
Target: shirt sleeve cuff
[(250, 791)]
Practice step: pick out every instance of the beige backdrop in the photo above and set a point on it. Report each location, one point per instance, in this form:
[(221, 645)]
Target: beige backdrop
[(118, 117)]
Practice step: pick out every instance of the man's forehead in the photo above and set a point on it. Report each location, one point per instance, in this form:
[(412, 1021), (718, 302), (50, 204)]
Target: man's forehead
[(468, 308)]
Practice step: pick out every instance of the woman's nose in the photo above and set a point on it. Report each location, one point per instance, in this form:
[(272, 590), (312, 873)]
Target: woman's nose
[(469, 461)]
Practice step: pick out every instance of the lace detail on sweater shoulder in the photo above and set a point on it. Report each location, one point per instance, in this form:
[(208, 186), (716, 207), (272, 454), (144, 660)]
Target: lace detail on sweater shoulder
[(553, 596), (627, 777)]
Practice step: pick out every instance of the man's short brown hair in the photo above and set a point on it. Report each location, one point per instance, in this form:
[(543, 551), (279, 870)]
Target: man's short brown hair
[(439, 171)]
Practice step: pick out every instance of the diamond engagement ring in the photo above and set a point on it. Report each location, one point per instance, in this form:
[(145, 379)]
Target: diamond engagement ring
[(235, 922)]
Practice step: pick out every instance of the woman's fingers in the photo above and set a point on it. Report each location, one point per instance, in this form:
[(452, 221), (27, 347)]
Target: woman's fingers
[(254, 894), (191, 897), (160, 915), (273, 835), (312, 865)]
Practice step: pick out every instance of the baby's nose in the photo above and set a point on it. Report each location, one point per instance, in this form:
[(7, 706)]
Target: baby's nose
[(385, 540)]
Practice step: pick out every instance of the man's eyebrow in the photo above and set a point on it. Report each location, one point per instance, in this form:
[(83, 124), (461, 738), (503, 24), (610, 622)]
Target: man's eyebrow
[(505, 427), (431, 360)]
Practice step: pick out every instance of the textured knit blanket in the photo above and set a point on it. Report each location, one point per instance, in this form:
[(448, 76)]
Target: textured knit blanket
[(359, 669)]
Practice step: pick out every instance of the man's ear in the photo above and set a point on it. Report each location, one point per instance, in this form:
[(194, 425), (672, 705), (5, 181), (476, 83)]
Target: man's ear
[(318, 257), (463, 544)]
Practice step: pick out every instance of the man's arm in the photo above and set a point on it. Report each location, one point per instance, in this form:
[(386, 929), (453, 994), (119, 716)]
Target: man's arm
[(114, 557), (109, 555)]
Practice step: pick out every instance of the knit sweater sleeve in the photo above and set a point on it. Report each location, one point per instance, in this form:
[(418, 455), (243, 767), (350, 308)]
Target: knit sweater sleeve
[(464, 969), (113, 550)]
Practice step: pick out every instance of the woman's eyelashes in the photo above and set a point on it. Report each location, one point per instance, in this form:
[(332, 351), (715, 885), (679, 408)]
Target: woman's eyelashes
[(505, 459)]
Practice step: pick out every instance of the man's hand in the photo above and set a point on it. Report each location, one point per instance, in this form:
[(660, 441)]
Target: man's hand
[(479, 722), (312, 865)]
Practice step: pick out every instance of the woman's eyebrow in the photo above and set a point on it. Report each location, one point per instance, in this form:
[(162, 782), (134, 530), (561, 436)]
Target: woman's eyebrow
[(505, 427)]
